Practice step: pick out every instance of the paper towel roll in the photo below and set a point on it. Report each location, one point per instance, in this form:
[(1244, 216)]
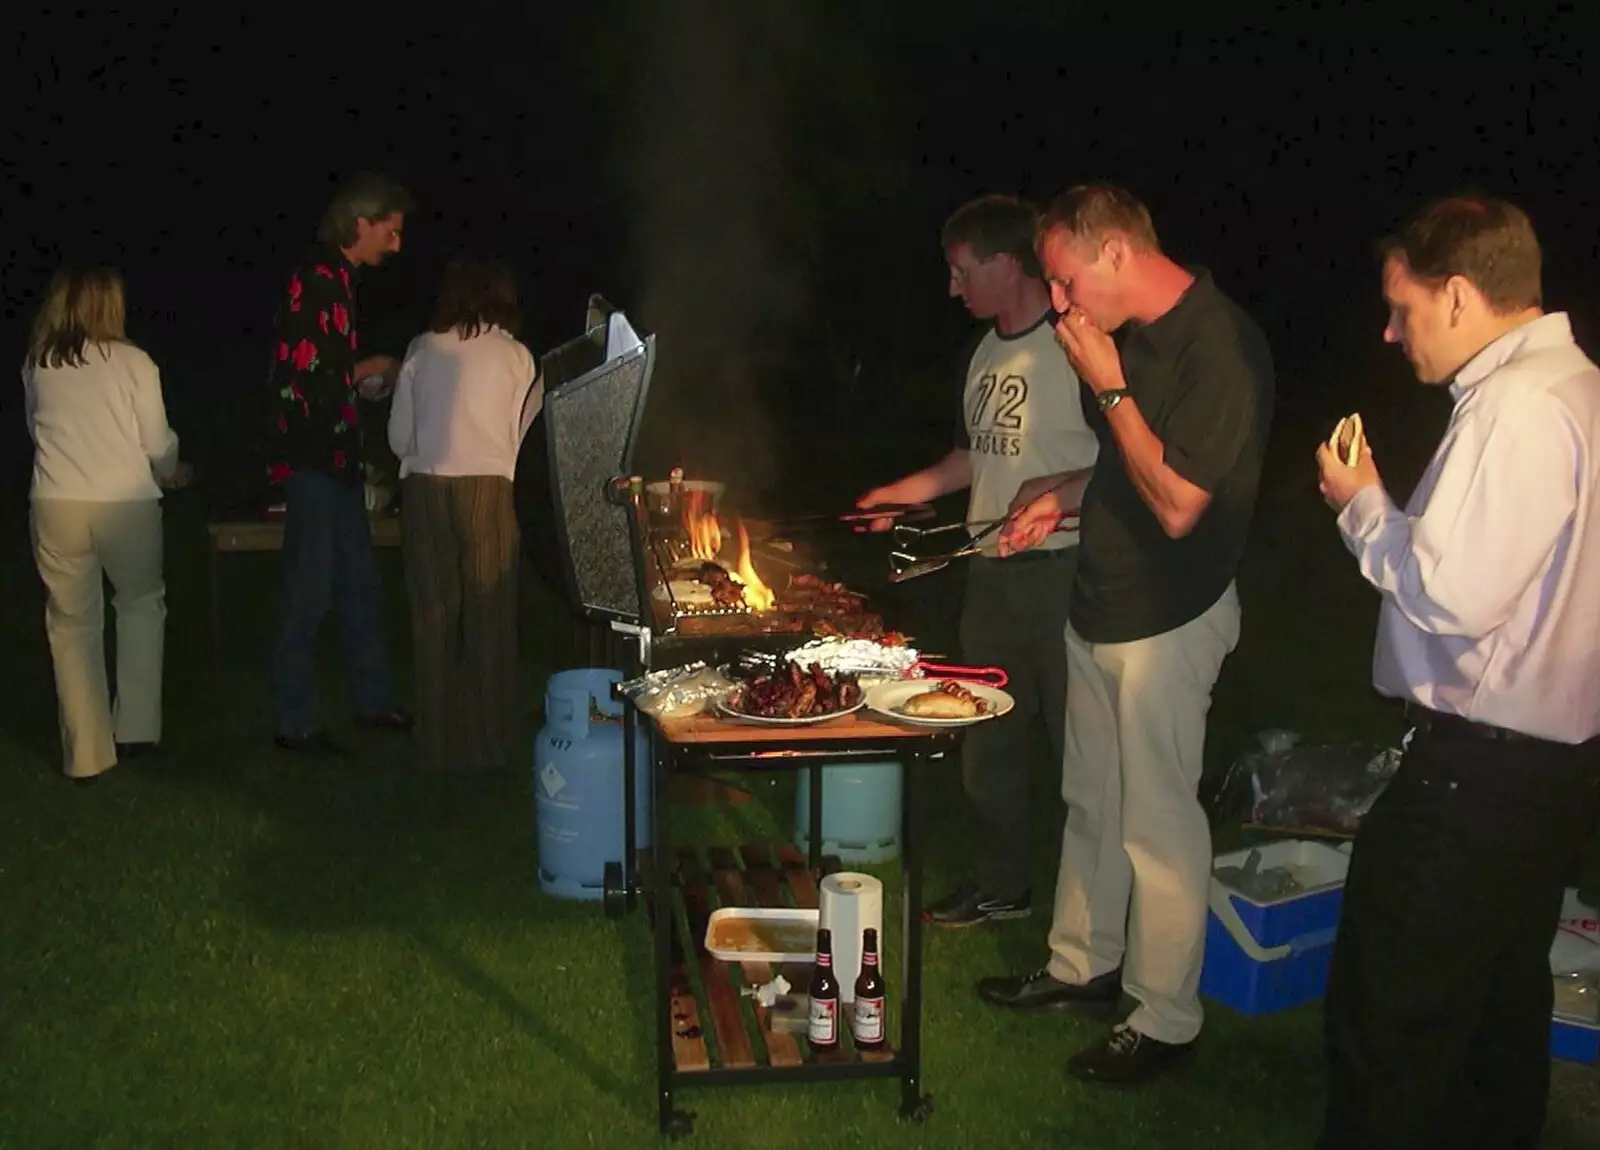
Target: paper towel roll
[(849, 904)]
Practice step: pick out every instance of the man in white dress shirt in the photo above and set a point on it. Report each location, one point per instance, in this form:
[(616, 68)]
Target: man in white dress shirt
[(1438, 1007)]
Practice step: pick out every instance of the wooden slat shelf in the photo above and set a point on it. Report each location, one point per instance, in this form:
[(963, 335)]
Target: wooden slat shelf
[(754, 875)]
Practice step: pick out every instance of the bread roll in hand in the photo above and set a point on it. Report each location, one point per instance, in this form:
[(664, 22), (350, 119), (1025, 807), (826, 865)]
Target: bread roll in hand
[(1347, 440)]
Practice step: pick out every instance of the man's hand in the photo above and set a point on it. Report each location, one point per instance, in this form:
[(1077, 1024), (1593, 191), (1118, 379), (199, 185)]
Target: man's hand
[(182, 475), (879, 497), (1091, 352), (381, 370), (1037, 510), (1031, 525), (1338, 481)]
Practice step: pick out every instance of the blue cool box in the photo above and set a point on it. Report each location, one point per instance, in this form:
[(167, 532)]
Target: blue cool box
[(1263, 957), (1575, 1041), (1266, 956)]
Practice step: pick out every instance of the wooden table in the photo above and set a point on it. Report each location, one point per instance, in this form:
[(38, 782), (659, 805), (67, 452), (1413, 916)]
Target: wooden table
[(771, 876), (236, 536), (706, 728)]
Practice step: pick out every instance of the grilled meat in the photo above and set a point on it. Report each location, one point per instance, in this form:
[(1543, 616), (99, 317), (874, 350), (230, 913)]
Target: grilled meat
[(792, 693), (726, 591), (850, 625)]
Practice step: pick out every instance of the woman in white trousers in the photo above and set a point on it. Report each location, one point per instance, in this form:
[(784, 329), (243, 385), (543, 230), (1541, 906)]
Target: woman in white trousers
[(102, 453)]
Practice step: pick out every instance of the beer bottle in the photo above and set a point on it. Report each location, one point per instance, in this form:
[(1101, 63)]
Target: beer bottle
[(866, 1024), (675, 492), (822, 1028)]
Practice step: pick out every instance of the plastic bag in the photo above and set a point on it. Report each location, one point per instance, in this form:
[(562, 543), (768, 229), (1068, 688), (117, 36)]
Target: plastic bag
[(1319, 789), (676, 692)]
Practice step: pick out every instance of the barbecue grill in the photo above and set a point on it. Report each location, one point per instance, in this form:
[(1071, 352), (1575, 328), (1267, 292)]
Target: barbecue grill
[(676, 581), (625, 559)]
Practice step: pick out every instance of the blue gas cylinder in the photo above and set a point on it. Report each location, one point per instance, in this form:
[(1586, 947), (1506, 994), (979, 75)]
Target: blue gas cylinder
[(860, 811), (577, 783)]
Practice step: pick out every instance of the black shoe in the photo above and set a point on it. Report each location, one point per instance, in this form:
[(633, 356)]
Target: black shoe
[(1127, 1058), (969, 906), (395, 720), (1097, 998), (315, 744), (126, 751)]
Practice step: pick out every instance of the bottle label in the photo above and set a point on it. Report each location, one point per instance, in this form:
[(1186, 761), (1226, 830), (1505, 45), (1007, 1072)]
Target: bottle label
[(823, 1024), (867, 1022)]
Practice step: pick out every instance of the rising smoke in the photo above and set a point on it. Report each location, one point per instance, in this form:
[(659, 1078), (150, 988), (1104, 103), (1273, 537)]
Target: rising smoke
[(719, 228)]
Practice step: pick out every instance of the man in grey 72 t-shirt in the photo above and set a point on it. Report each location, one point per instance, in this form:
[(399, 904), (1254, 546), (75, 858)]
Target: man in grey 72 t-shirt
[(1022, 418)]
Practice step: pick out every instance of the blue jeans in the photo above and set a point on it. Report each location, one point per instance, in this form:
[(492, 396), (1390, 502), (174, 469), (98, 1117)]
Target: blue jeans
[(327, 560)]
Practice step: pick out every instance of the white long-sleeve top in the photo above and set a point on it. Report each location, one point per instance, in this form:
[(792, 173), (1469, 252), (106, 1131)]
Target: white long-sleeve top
[(462, 406), (1491, 576), (99, 429)]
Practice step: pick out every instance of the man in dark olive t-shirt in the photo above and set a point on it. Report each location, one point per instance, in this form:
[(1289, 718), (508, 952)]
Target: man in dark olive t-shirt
[(1179, 382), (1201, 376)]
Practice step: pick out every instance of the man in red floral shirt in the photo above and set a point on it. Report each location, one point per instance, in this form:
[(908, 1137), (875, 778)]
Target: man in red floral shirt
[(327, 543)]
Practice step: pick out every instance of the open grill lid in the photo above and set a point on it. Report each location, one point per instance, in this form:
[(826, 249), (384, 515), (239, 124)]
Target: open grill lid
[(595, 390)]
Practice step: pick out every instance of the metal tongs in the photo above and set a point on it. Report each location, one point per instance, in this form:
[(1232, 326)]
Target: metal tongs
[(855, 519), (903, 565)]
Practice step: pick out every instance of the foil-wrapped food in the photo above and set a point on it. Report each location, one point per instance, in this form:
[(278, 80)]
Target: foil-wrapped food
[(676, 692), (866, 658)]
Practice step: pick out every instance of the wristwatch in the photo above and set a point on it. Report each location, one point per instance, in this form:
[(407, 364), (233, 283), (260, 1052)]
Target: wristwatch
[(1110, 397)]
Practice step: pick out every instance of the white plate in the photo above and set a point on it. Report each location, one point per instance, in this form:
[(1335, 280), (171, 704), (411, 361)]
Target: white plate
[(729, 713), (885, 698)]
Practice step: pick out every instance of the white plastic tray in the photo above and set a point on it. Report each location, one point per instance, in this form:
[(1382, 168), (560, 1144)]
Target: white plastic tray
[(803, 923)]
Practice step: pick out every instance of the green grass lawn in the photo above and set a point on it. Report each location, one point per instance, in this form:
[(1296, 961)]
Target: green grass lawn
[(231, 948)]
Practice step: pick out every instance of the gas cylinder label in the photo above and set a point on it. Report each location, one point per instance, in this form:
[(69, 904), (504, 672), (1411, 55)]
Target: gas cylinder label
[(553, 780)]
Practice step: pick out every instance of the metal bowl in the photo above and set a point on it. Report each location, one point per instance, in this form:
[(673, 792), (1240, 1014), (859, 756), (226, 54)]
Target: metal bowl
[(658, 495)]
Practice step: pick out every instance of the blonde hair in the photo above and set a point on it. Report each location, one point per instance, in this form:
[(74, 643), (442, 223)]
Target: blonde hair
[(79, 308)]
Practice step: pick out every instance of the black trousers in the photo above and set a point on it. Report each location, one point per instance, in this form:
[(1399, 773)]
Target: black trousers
[(1014, 616), (1437, 1020)]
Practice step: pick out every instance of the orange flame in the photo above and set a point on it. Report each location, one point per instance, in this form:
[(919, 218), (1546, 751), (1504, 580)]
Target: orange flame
[(705, 534), (757, 595)]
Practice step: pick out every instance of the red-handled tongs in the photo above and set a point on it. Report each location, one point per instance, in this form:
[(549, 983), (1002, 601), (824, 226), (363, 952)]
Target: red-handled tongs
[(988, 676)]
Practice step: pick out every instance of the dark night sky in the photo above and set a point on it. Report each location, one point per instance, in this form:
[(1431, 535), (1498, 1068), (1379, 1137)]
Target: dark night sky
[(762, 183)]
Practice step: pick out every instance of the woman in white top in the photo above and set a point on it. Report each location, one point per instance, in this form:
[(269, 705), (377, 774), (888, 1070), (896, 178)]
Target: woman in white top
[(466, 394), (102, 452)]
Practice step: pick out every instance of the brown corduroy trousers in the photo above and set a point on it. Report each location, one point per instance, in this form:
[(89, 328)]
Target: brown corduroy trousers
[(461, 553)]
